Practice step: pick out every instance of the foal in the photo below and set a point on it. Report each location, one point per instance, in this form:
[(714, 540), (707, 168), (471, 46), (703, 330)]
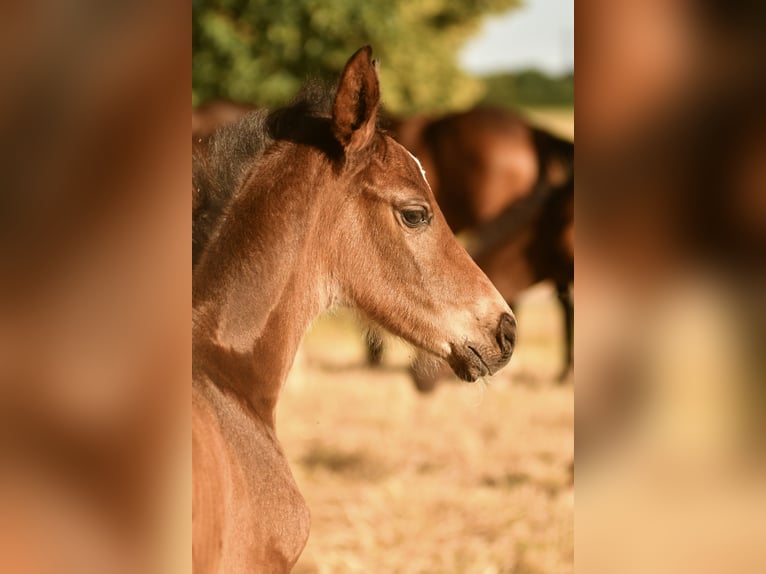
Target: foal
[(301, 210)]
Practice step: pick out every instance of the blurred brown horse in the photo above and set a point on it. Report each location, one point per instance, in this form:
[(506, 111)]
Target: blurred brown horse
[(306, 208), (509, 186), (215, 114)]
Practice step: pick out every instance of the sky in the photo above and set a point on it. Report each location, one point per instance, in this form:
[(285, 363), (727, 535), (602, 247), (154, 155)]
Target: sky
[(539, 34)]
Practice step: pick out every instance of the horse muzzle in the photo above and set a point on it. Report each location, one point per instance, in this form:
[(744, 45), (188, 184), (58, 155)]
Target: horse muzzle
[(471, 361)]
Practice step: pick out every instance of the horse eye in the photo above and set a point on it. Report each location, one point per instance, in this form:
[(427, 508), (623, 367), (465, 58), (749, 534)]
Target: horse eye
[(414, 217)]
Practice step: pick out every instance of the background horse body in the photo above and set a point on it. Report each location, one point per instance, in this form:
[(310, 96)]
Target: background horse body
[(295, 211), (482, 161), (215, 114), (509, 187)]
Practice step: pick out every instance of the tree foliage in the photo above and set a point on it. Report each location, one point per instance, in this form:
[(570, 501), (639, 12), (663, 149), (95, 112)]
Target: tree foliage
[(261, 51), (529, 88)]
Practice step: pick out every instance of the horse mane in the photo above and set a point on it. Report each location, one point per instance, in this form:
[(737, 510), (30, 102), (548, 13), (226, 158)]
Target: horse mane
[(221, 163)]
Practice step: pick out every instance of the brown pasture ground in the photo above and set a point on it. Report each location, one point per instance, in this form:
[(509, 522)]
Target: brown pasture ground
[(475, 478)]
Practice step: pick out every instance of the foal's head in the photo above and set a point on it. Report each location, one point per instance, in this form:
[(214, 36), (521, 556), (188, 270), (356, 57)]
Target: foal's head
[(387, 249), (319, 206)]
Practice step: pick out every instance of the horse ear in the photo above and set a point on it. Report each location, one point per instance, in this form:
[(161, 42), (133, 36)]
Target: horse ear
[(356, 101)]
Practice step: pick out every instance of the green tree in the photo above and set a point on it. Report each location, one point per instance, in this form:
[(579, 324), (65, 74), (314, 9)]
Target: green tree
[(261, 51)]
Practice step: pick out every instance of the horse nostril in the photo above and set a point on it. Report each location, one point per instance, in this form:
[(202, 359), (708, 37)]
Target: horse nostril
[(506, 333)]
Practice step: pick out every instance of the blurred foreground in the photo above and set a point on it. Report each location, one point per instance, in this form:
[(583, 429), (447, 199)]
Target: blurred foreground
[(94, 287), (671, 246)]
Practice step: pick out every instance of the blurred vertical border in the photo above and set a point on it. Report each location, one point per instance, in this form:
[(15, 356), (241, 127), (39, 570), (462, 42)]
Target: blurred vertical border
[(670, 285), (94, 286)]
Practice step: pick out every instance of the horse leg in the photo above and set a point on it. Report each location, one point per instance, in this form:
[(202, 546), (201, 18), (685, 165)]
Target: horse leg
[(374, 339), (426, 370), (567, 304)]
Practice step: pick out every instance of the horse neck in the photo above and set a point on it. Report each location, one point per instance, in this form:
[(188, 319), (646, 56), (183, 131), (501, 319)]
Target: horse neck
[(256, 290)]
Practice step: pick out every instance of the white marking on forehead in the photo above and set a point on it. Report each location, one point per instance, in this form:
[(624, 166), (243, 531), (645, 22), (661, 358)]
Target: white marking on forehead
[(417, 161)]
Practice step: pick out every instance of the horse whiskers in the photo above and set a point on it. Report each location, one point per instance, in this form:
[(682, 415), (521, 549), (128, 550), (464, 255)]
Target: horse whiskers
[(477, 390)]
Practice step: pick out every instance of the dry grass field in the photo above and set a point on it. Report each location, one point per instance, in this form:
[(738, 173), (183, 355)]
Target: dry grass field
[(560, 121), (474, 478)]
